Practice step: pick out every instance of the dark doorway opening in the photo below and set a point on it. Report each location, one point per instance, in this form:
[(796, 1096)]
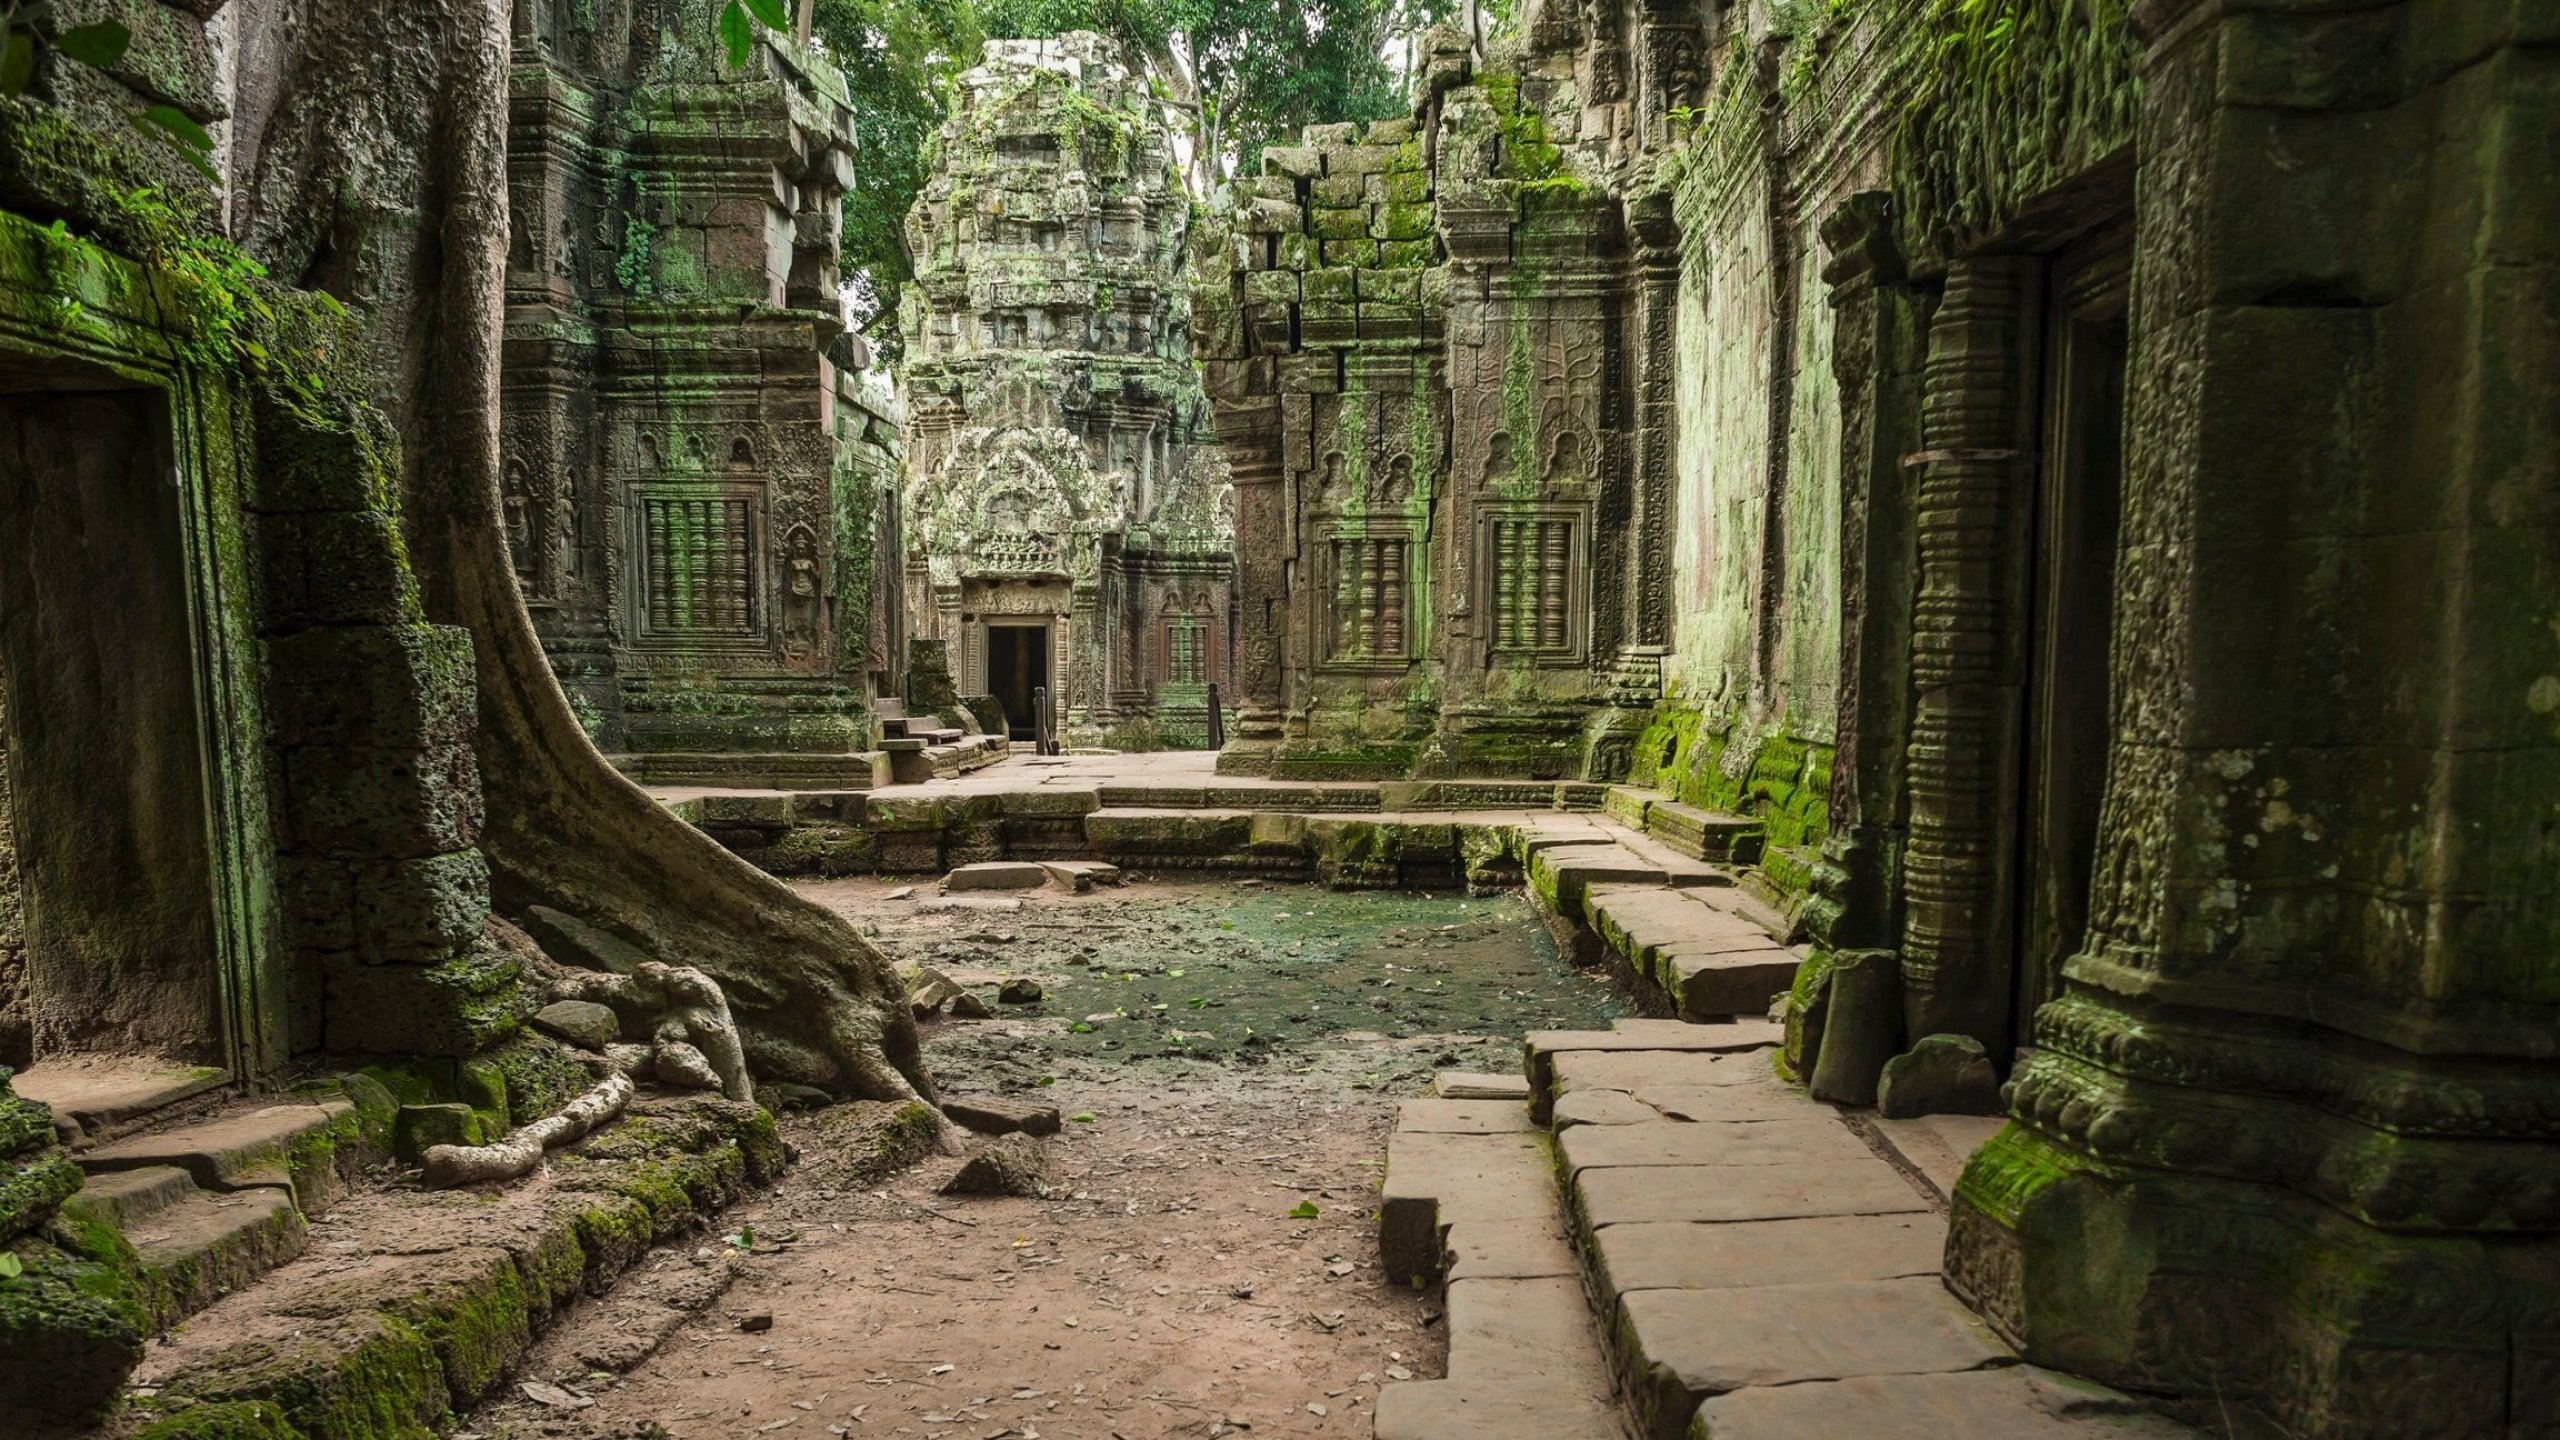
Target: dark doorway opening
[(105, 741), (2071, 607), (1018, 666)]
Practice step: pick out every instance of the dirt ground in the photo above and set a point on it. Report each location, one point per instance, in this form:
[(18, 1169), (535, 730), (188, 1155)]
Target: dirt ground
[(1205, 1260)]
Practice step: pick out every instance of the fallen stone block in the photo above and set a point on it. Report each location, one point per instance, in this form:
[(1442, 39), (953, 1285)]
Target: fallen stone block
[(1941, 1075), (1006, 1165), (990, 1116), (583, 1023), (997, 875)]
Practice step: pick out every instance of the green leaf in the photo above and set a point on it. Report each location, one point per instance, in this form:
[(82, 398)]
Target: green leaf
[(99, 45), (1303, 1210), (11, 1267), (1078, 1027), (737, 32), (1082, 1117), (149, 124), (771, 13), (181, 127), (17, 62)]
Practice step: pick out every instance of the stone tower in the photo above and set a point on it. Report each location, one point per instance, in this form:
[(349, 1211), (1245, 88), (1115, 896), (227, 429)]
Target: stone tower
[(1069, 522), (693, 484)]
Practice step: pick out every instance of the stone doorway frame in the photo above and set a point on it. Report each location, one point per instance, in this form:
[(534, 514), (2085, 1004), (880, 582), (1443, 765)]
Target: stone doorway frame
[(248, 1020)]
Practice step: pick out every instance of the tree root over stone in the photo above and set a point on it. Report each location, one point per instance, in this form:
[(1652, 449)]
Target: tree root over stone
[(446, 1166)]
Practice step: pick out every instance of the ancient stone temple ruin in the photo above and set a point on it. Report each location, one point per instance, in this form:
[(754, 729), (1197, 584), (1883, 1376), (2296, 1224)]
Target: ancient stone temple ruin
[(696, 473), (1897, 684), (1068, 526)]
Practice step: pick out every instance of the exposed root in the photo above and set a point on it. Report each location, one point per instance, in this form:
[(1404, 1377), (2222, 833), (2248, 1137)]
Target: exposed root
[(446, 1166)]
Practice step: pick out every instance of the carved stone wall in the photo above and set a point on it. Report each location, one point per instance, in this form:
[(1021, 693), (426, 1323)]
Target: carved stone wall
[(2134, 419), (678, 431), (1060, 465)]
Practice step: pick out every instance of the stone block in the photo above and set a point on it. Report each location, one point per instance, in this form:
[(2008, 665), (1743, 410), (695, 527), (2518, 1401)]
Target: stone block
[(1400, 222), (1294, 252), (1510, 1327), (1732, 982), (1680, 1255), (1272, 287), (1298, 162), (1403, 286), (991, 1116), (997, 875), (1337, 286), (1398, 187), (379, 801), (1463, 1085), (455, 1007), (306, 464), (1940, 1075), (1535, 1408), (1339, 191), (1416, 255), (1601, 1107), (1626, 1195), (1357, 252), (437, 1123), (583, 1023), (1861, 1027), (411, 909), (1689, 1345), (1340, 222), (1435, 1181), (1509, 1250), (372, 685), (575, 942), (1725, 1143)]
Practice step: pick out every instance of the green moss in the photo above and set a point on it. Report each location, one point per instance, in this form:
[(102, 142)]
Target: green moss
[(233, 1420)]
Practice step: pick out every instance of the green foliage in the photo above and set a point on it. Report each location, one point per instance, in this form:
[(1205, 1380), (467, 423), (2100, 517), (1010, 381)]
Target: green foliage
[(27, 32), (898, 58)]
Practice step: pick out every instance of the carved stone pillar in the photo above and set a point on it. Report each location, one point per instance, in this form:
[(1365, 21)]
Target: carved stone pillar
[(2289, 1142), (1967, 509), (1251, 432), (1878, 341)]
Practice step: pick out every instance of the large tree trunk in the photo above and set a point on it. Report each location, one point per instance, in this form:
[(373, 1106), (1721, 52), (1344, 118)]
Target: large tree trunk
[(380, 172)]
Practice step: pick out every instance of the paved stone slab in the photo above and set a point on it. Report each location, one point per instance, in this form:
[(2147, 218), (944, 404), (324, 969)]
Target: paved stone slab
[(126, 1198), (1510, 1250), (1462, 1117), (1938, 1145), (1601, 1107), (1503, 1410), (1687, 1346), (1510, 1329), (1540, 1048), (2017, 1402), (1637, 1070), (1688, 1256), (1435, 1181), (1467, 1085), (989, 1115), (1709, 1103), (208, 1245), (1629, 1194), (1804, 1141), (1572, 870)]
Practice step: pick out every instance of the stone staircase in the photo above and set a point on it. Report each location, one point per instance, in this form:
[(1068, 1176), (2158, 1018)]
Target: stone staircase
[(1657, 1236), (209, 1190)]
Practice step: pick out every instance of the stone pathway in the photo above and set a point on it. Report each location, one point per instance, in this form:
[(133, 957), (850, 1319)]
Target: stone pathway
[(1760, 1271)]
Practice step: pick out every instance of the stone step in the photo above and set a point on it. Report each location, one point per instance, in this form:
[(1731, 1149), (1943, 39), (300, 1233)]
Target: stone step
[(1562, 877), (1702, 834), (1542, 1047), (239, 1151), (997, 875), (127, 1198), (194, 1245), (105, 1096), (210, 1244), (1807, 1141)]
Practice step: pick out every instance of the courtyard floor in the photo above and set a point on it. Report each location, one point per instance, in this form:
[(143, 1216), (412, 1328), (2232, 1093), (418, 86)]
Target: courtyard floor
[(1229, 1054)]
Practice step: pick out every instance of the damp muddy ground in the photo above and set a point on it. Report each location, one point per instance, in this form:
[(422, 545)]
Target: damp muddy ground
[(1204, 1262)]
